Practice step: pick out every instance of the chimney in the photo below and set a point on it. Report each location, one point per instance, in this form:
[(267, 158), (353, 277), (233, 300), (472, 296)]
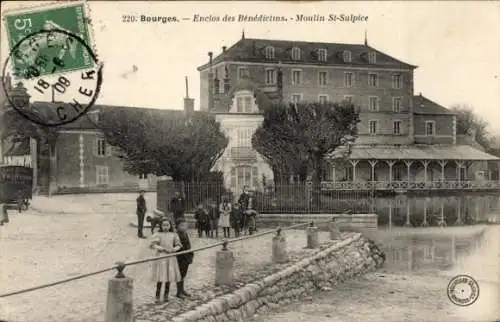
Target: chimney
[(210, 83), (224, 49), (188, 102)]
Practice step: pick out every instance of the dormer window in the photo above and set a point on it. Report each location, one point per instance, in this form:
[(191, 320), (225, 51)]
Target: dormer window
[(372, 57), (269, 52), (295, 53), (322, 54), (347, 56)]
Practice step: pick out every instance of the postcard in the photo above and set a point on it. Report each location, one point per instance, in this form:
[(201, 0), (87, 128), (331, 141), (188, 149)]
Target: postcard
[(249, 161)]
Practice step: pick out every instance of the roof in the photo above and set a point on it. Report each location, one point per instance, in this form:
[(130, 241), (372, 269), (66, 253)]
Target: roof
[(423, 105), (48, 110), (253, 50), (421, 152)]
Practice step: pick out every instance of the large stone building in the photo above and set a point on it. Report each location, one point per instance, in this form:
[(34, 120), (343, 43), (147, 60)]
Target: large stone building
[(406, 141)]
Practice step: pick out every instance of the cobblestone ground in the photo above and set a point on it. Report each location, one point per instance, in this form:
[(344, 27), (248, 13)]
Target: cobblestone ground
[(43, 245)]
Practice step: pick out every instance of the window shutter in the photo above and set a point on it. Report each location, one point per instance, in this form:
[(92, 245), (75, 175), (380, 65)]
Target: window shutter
[(109, 149), (95, 146), (255, 176)]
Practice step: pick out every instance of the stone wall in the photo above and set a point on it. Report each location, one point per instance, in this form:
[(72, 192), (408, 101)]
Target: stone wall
[(339, 260), (355, 222)]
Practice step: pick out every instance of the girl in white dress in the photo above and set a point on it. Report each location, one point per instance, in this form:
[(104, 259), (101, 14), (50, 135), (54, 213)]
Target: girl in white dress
[(225, 215), (165, 270)]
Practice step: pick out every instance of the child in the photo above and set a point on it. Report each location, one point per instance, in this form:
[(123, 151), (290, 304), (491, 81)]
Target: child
[(236, 219), (224, 220), (184, 260), (213, 214), (4, 216), (202, 221), (165, 270)]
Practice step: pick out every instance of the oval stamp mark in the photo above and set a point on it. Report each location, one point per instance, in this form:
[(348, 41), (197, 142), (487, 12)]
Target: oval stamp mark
[(463, 290), (47, 71)]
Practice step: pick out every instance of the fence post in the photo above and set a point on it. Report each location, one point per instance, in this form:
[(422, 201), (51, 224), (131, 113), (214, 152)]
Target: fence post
[(334, 229), (279, 254), (119, 306), (312, 236), (224, 261)]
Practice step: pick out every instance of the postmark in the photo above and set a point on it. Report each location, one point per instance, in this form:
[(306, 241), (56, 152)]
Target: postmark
[(45, 91), (463, 290), (69, 18)]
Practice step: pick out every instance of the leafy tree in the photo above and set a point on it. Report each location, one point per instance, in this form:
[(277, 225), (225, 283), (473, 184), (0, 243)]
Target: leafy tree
[(468, 121), (164, 143), (296, 138)]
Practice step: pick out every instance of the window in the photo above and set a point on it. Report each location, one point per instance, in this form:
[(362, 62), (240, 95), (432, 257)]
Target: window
[(243, 72), (373, 127), (396, 104), (296, 98), (348, 98), (348, 80), (270, 76), (347, 56), (100, 148), (244, 137), (372, 80), (323, 98), (396, 81), (429, 128), (396, 127), (296, 53), (102, 175), (372, 57), (244, 104), (270, 52), (322, 78), (296, 76), (322, 54), (373, 103), (244, 176)]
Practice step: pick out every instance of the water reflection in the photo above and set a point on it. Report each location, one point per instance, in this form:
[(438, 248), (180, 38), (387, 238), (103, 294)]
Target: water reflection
[(430, 249), (424, 211)]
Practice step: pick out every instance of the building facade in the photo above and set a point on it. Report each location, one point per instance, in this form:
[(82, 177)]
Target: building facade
[(79, 160), (405, 141)]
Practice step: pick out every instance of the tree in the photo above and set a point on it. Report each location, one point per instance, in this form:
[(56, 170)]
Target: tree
[(468, 121), (296, 138), (164, 143)]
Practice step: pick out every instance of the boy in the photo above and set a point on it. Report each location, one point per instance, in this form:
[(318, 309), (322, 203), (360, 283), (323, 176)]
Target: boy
[(213, 214), (141, 212), (184, 260), (236, 219), (202, 221)]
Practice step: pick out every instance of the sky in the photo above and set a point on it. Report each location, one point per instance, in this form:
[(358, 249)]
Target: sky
[(455, 45)]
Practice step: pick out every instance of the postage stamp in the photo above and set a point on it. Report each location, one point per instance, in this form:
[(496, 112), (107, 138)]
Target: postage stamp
[(69, 18), (52, 61), (463, 290)]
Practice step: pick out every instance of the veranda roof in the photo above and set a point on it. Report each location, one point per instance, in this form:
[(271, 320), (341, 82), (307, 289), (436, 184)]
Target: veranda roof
[(422, 152)]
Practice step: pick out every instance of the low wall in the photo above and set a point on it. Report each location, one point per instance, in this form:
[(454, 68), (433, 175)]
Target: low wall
[(339, 260), (355, 222)]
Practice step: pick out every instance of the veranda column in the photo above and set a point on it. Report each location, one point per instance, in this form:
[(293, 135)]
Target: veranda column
[(459, 211), (453, 250), (441, 222), (334, 174), (459, 164), (390, 164), (425, 163), (408, 167), (442, 163), (373, 163), (425, 223), (410, 258), (408, 210), (354, 163), (390, 214)]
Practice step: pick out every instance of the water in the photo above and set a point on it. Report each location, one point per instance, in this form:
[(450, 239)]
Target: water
[(423, 211)]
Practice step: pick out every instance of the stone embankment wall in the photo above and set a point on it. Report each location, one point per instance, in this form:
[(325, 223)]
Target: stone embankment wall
[(363, 223), (352, 256)]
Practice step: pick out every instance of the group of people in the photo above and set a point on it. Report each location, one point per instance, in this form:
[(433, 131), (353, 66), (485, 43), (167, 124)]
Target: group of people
[(172, 236), (236, 216)]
